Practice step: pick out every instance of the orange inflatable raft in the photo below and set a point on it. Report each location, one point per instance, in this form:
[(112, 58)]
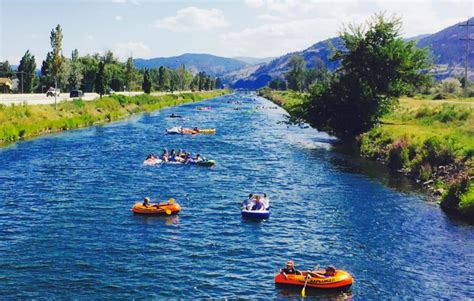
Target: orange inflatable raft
[(156, 209), (342, 280)]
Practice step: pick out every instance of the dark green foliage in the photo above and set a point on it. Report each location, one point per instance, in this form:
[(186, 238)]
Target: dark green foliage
[(451, 197), (100, 80), (376, 67), (27, 72), (146, 82), (296, 74), (6, 70)]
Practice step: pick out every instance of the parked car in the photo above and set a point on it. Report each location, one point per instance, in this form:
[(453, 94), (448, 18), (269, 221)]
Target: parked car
[(76, 93), (51, 92)]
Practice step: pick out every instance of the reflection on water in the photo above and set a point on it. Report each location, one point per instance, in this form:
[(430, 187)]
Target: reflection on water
[(67, 232)]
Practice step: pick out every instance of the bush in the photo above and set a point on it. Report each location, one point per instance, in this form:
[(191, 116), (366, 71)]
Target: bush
[(450, 199), (466, 203), (449, 85), (398, 155)]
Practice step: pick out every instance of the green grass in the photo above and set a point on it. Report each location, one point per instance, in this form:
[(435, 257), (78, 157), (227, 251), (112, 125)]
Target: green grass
[(420, 135), (19, 122)]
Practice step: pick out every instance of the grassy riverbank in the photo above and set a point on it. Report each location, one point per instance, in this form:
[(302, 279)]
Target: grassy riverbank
[(18, 122), (429, 141)]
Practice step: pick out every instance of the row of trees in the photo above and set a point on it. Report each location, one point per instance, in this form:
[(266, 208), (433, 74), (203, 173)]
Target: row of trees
[(97, 73)]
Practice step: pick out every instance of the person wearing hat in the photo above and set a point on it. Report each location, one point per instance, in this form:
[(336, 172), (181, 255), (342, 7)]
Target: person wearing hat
[(146, 202), (289, 269)]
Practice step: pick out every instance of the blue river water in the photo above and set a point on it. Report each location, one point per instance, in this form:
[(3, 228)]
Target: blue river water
[(67, 232)]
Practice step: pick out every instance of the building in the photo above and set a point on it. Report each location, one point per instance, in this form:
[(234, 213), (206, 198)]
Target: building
[(6, 85)]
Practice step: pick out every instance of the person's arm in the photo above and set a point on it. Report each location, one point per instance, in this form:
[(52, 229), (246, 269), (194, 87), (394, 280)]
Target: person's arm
[(283, 273)]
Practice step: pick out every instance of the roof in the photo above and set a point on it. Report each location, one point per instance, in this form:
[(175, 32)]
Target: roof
[(6, 81)]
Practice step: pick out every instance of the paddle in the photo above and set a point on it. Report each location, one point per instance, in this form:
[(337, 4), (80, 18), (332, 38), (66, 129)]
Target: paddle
[(303, 291)]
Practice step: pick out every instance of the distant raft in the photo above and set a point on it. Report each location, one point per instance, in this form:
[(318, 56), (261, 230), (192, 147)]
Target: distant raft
[(342, 280), (205, 163), (183, 131), (157, 209)]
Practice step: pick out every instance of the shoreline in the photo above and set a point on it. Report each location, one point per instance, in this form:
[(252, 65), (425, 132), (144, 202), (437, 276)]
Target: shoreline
[(443, 179), (23, 122)]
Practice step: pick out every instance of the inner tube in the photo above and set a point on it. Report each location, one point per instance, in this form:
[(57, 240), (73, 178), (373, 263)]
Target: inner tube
[(156, 209), (342, 280), (256, 215)]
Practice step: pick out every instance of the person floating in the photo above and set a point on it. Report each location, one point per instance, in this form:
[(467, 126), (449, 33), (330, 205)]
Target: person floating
[(165, 156), (259, 205), (289, 269), (329, 272), (247, 204)]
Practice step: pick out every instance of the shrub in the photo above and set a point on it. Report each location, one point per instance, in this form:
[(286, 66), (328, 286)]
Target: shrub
[(398, 155), (458, 187), (466, 203)]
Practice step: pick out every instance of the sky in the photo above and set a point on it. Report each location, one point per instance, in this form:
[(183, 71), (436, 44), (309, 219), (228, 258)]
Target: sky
[(157, 28)]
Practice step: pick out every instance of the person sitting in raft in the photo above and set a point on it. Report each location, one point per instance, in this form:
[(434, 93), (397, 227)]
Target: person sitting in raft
[(164, 156), (248, 203), (259, 205), (146, 202), (196, 130), (329, 272), (198, 158), (289, 270), (266, 201), (188, 159), (172, 157)]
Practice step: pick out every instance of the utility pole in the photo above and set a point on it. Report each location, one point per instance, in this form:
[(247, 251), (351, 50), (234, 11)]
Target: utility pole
[(466, 59)]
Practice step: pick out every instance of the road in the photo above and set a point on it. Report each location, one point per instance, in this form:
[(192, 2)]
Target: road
[(36, 99)]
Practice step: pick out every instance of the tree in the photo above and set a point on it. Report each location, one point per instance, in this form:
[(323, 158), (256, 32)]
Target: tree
[(47, 79), (56, 39), (146, 82), (6, 70), (90, 67), (75, 72), (377, 66), (296, 74), (218, 83), (27, 72), (100, 80), (450, 85), (129, 72)]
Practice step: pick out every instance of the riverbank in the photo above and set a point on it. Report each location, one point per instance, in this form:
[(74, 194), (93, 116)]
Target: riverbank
[(429, 141), (19, 122)]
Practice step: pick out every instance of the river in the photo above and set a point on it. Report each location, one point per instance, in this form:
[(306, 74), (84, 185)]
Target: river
[(67, 232)]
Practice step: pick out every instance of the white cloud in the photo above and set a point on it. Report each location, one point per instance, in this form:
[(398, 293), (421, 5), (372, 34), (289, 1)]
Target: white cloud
[(192, 19), (269, 18), (254, 3), (132, 48), (118, 18), (276, 38)]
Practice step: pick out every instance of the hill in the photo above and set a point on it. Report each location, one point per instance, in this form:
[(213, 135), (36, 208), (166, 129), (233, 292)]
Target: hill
[(211, 64), (446, 48)]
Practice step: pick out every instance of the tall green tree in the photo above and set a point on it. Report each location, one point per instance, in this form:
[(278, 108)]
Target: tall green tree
[(75, 72), (56, 40), (47, 79), (27, 72), (90, 67), (100, 80), (146, 82), (296, 73), (377, 66), (129, 72)]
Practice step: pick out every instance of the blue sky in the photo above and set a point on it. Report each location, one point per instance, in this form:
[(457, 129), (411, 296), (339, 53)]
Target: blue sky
[(152, 28)]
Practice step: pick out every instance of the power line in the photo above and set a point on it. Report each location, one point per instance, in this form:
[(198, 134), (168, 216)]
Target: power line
[(466, 59)]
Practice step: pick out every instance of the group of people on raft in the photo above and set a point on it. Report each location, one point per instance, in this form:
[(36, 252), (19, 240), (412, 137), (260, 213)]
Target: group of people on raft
[(330, 271), (256, 203), (179, 157)]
